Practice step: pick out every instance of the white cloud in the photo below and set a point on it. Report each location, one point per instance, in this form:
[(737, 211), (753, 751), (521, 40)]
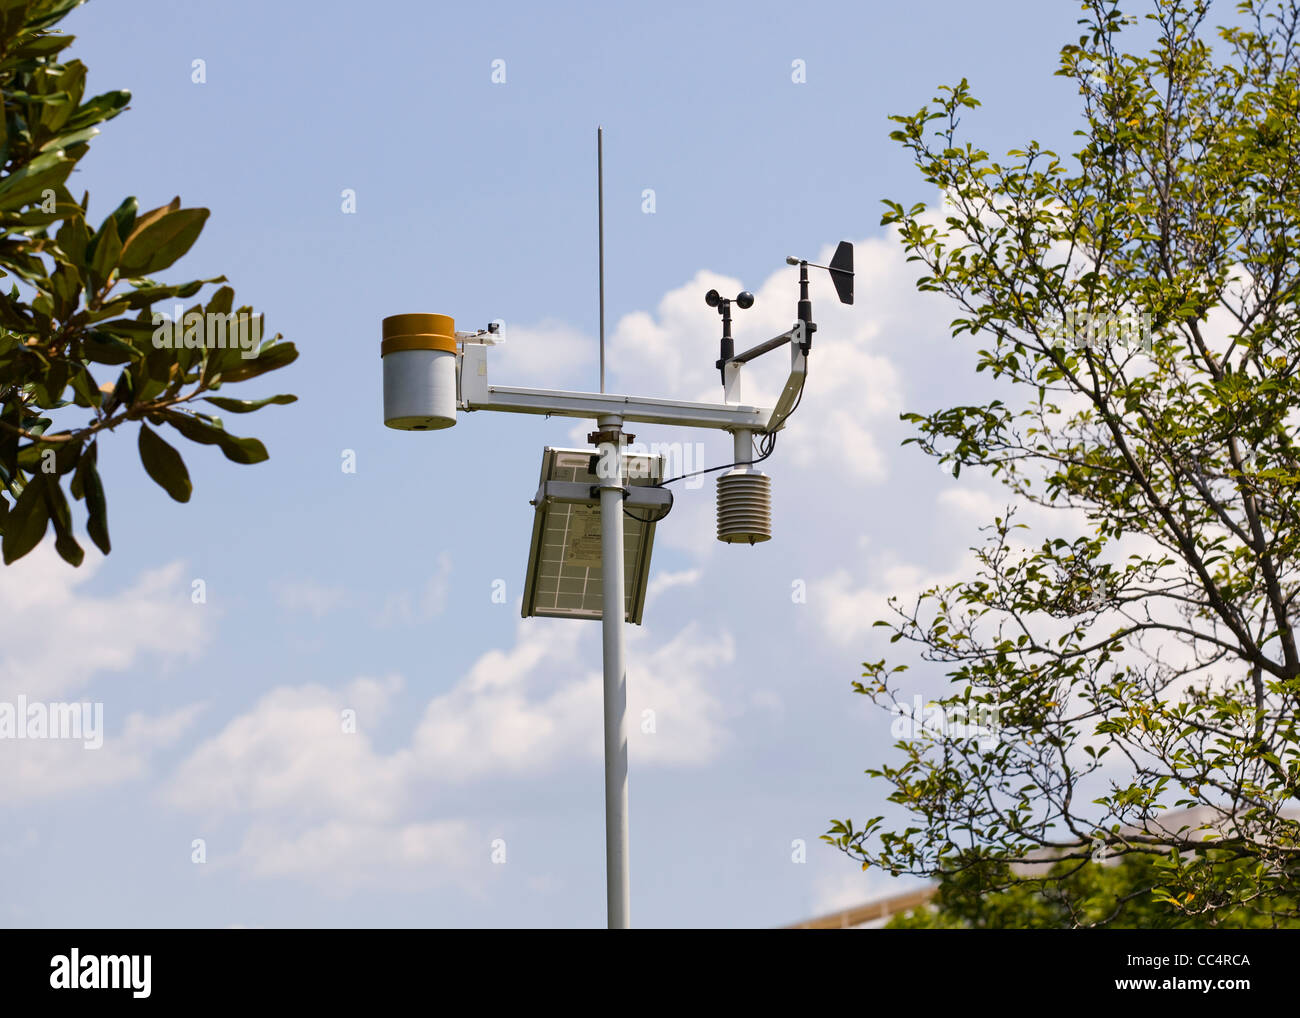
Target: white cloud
[(548, 355), (847, 612), (57, 637), (846, 886), (666, 581), (854, 382), (516, 710), (291, 757), (976, 506), (852, 387), (675, 680), (39, 768), (318, 801), (342, 854)]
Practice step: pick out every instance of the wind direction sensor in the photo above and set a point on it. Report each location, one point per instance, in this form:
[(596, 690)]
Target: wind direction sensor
[(744, 494), (840, 268)]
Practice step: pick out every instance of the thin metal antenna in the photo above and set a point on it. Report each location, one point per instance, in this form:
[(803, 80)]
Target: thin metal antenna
[(600, 214)]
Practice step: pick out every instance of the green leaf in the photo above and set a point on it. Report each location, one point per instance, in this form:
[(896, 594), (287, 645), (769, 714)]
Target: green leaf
[(40, 46), (269, 359), (65, 287), (124, 216), (96, 505), (164, 465), (193, 428), (146, 296), (105, 348), (25, 523), (73, 238), (25, 185), (108, 252), (64, 543), (243, 450), (87, 484), (236, 449), (245, 406), (83, 385), (96, 110), (68, 140), (157, 241), (37, 17)]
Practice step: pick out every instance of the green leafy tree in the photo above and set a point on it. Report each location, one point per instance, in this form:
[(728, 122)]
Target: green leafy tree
[(80, 309), (1152, 663), (1079, 894)]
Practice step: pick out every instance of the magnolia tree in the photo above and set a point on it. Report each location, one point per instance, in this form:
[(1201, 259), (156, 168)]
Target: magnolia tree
[(82, 349), (1136, 305)]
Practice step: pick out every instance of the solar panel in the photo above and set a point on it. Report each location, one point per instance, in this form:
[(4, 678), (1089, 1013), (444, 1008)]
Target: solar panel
[(564, 559)]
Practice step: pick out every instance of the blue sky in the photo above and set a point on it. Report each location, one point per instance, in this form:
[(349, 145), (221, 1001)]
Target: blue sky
[(371, 591)]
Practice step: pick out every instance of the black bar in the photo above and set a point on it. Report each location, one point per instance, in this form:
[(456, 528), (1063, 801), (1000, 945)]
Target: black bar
[(762, 348), (1156, 971)]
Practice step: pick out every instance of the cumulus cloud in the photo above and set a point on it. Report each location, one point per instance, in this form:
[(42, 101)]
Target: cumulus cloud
[(844, 886), (540, 704), (302, 782), (848, 610), (57, 637), (547, 355), (515, 710), (294, 755), (667, 581), (853, 384), (676, 681), (36, 769), (342, 854)]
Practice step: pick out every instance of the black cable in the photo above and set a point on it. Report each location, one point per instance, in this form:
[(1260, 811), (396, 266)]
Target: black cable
[(769, 439), (725, 466), (767, 446), (634, 516)]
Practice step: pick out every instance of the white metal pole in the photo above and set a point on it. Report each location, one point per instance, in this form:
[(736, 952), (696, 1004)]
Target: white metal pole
[(743, 445), (600, 216), (617, 872)]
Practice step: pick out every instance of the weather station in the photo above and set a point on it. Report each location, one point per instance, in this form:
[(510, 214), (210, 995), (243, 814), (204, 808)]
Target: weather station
[(596, 509)]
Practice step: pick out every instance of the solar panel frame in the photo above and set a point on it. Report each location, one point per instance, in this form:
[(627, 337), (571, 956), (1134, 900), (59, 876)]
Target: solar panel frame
[(563, 579)]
